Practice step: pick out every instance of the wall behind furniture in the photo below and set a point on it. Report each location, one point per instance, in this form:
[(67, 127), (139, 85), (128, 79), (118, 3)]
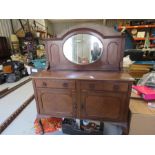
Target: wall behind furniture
[(59, 25), (114, 22), (49, 25)]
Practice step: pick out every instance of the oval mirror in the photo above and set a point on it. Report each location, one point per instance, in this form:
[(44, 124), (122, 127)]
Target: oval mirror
[(83, 49)]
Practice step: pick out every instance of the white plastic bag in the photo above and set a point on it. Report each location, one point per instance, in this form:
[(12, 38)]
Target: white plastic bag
[(147, 79)]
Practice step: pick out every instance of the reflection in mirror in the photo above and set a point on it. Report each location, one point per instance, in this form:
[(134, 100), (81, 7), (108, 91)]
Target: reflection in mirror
[(83, 49)]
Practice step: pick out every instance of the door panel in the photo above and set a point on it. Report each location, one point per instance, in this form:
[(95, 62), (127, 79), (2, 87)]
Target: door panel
[(102, 105), (57, 102)]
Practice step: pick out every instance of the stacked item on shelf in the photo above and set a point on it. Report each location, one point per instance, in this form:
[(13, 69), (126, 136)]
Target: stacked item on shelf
[(145, 88), (145, 92), (14, 71), (82, 127), (142, 31), (138, 70), (39, 63)]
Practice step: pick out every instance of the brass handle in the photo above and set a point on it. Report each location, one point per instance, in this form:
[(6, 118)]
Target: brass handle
[(82, 106), (92, 86), (75, 106), (65, 85), (44, 84)]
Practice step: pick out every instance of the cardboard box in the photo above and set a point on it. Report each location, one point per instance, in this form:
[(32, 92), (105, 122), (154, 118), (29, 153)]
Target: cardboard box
[(142, 118)]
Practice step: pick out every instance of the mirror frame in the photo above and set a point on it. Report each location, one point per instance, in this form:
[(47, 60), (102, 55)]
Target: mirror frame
[(88, 33), (83, 31)]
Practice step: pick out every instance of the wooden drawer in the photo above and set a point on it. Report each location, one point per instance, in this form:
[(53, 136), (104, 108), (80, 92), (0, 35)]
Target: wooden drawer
[(105, 85), (55, 83)]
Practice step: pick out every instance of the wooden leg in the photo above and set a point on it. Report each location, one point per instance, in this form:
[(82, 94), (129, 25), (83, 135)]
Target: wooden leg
[(101, 126), (41, 126)]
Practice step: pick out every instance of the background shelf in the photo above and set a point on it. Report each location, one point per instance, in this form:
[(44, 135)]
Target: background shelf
[(136, 27)]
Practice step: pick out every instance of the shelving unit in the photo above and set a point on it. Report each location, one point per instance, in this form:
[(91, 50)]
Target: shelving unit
[(142, 34), (136, 27), (143, 38), (140, 41)]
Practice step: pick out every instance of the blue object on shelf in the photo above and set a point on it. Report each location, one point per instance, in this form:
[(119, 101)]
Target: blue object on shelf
[(39, 63), (145, 62), (129, 41)]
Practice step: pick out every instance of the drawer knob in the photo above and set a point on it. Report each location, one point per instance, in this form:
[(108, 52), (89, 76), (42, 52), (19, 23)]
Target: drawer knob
[(82, 106), (44, 84), (116, 87), (75, 106), (65, 85), (92, 86)]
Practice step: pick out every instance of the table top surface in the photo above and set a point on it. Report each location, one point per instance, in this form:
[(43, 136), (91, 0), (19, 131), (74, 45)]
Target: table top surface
[(84, 75)]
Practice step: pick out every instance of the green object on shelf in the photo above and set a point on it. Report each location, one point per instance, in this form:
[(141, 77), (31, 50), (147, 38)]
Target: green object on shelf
[(147, 41), (39, 63)]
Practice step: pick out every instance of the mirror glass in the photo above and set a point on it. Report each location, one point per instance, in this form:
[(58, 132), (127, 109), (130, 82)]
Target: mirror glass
[(83, 49)]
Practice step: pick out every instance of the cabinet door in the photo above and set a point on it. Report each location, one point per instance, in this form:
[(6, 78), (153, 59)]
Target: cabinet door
[(57, 102), (103, 105)]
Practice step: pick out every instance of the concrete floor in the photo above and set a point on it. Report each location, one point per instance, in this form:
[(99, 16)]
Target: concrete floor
[(10, 85), (14, 100), (24, 122)]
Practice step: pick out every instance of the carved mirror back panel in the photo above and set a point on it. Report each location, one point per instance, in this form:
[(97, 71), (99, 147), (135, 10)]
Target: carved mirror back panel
[(74, 50)]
